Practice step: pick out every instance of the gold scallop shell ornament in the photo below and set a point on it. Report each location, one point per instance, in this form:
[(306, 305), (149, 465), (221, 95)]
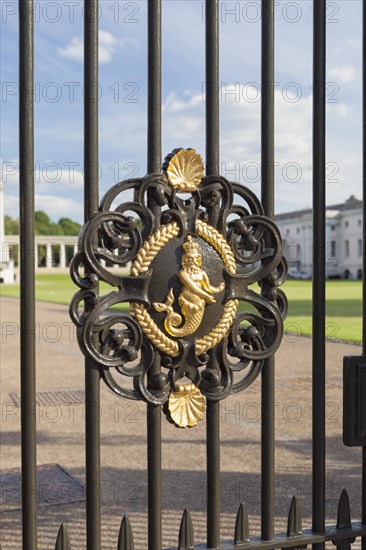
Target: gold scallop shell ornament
[(186, 406), (185, 170)]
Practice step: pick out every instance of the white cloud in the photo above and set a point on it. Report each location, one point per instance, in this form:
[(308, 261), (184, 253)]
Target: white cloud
[(184, 125), (55, 207), (58, 207), (75, 48), (343, 74), (240, 142), (107, 44), (48, 177), (341, 109)]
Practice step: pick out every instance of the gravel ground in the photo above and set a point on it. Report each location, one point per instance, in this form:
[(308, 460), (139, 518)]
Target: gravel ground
[(60, 432)]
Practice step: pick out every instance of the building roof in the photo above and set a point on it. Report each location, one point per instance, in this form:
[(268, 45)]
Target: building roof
[(351, 204)]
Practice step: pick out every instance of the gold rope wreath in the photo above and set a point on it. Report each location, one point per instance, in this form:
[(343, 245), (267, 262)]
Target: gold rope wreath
[(142, 263)]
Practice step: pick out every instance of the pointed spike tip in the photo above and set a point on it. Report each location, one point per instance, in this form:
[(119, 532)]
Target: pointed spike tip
[(294, 523), (242, 525), (186, 535), (125, 538), (344, 511), (63, 539)]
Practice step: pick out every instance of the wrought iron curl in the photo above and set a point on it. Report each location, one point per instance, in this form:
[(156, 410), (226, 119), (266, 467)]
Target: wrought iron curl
[(229, 220)]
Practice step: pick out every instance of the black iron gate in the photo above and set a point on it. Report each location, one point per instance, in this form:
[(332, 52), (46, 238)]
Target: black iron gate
[(183, 289)]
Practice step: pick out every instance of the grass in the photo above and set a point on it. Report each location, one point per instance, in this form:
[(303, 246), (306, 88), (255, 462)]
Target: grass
[(343, 309), (344, 304), (57, 289)]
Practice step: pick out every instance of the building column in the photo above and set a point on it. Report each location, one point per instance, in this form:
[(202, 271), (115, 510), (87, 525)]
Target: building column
[(62, 256), (49, 255), (2, 231), (8, 252), (75, 249)]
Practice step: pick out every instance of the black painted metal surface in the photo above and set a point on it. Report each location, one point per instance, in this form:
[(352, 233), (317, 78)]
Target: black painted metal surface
[(354, 402), (267, 188), (252, 240), (212, 167), (318, 333), (27, 273), (154, 158), (363, 490), (91, 194)]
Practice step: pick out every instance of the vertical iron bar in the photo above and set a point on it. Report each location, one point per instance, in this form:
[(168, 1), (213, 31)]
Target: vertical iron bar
[(27, 274), (154, 470), (91, 200), (213, 474), (212, 88), (213, 167), (363, 543), (154, 165), (318, 339), (154, 87), (268, 372)]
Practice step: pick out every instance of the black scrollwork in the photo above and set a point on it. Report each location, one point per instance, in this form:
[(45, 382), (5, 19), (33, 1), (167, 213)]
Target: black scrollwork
[(129, 214)]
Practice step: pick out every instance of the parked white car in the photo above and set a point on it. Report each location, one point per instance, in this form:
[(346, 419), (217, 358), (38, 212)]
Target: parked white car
[(298, 274)]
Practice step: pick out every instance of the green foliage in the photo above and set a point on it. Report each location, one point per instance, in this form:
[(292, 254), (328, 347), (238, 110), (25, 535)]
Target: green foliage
[(11, 225), (69, 227), (43, 225)]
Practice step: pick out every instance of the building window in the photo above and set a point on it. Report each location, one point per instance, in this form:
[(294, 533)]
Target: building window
[(346, 224), (359, 243), (359, 223), (333, 249), (297, 230), (332, 227), (287, 232), (346, 248)]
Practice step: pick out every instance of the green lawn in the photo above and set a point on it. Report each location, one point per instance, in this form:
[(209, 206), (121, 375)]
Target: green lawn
[(344, 305), (344, 309)]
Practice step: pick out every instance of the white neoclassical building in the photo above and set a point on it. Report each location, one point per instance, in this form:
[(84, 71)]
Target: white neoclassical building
[(51, 254), (50, 251), (343, 239), (6, 264)]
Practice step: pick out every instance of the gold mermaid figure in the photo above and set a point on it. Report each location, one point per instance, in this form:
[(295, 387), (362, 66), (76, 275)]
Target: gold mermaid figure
[(195, 295)]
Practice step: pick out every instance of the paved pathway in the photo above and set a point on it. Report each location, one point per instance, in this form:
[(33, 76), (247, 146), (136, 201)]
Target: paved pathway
[(123, 428)]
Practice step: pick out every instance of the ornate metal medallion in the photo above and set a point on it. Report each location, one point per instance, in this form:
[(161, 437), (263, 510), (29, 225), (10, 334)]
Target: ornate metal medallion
[(192, 261)]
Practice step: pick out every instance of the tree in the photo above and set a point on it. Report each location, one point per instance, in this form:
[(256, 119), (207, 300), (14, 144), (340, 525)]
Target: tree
[(11, 225), (43, 225), (69, 227)]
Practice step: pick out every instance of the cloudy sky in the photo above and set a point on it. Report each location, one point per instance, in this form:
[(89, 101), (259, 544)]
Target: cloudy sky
[(123, 71)]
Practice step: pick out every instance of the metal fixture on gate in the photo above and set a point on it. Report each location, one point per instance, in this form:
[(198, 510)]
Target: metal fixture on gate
[(194, 253)]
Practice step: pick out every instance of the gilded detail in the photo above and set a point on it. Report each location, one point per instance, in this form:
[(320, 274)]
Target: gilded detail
[(196, 294), (185, 171), (186, 406), (147, 253)]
